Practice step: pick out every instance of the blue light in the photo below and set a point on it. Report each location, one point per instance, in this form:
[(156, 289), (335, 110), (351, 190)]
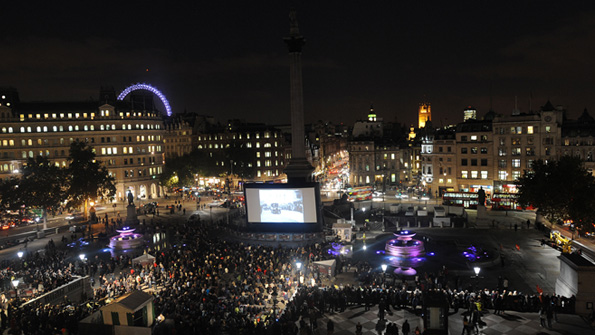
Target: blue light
[(149, 88)]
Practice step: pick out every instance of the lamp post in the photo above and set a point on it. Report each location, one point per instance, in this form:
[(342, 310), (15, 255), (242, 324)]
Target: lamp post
[(15, 283), (384, 266), (299, 267), (476, 269), (20, 254)]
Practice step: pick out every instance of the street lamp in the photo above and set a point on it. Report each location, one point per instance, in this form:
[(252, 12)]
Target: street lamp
[(20, 254), (299, 267), (384, 266), (82, 257), (15, 283), (476, 269)]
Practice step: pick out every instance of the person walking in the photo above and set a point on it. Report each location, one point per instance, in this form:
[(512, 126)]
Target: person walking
[(406, 328), (549, 315), (466, 326), (358, 328), (542, 318), (330, 327)]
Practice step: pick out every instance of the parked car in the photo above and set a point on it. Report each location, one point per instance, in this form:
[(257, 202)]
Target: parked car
[(75, 217)]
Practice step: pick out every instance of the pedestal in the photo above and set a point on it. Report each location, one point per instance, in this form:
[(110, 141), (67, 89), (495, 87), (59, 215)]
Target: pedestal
[(481, 212), (131, 218)]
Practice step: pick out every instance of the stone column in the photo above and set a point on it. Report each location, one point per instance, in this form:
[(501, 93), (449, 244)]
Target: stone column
[(298, 169)]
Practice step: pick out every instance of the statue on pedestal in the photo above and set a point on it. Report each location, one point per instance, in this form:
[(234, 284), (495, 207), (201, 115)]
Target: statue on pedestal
[(481, 197), (131, 217)]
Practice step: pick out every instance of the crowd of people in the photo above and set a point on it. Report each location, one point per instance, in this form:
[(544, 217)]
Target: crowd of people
[(207, 284)]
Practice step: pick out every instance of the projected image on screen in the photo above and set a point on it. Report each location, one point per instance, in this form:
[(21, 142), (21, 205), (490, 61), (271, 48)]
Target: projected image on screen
[(281, 206)]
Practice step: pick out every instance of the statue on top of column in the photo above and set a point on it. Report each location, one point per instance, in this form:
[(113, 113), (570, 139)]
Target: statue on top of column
[(293, 24)]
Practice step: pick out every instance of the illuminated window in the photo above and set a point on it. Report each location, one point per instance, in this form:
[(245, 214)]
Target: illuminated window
[(464, 174), (502, 175), (474, 174), (484, 174), (529, 129)]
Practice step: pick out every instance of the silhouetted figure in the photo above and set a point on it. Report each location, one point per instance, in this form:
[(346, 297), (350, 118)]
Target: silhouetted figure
[(130, 198), (481, 197)]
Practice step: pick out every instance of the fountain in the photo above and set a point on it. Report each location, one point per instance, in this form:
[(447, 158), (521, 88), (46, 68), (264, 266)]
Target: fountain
[(127, 239), (477, 256), (405, 253)]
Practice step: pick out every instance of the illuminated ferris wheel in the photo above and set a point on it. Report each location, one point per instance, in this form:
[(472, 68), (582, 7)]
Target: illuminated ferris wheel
[(146, 87)]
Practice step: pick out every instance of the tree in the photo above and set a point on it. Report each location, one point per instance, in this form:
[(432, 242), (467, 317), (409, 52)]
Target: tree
[(41, 185), (87, 177), (242, 160), (560, 190), (177, 172)]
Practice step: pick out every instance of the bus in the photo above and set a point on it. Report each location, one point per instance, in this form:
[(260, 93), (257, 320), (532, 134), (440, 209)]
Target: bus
[(461, 199), (360, 193), (507, 201)]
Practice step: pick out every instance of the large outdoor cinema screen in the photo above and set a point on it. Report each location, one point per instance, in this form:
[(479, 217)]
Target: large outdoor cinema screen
[(280, 203)]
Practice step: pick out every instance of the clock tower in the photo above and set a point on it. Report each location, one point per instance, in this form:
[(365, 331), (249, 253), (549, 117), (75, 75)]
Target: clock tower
[(424, 113)]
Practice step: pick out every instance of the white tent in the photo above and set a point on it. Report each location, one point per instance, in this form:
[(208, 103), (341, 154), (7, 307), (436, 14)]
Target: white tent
[(326, 267), (145, 259)]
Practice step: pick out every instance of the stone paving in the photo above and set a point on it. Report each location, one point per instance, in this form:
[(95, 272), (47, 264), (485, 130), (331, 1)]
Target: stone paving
[(527, 266), (510, 323)]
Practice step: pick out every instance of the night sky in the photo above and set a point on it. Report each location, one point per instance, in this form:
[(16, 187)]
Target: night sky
[(228, 59)]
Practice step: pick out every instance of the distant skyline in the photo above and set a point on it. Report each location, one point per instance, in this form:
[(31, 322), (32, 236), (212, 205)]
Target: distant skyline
[(228, 59)]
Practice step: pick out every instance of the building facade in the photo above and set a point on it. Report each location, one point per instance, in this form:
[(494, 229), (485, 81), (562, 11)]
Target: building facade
[(493, 152), (128, 141), (264, 144)]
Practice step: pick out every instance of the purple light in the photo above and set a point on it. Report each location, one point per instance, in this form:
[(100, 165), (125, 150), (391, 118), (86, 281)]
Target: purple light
[(149, 88)]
